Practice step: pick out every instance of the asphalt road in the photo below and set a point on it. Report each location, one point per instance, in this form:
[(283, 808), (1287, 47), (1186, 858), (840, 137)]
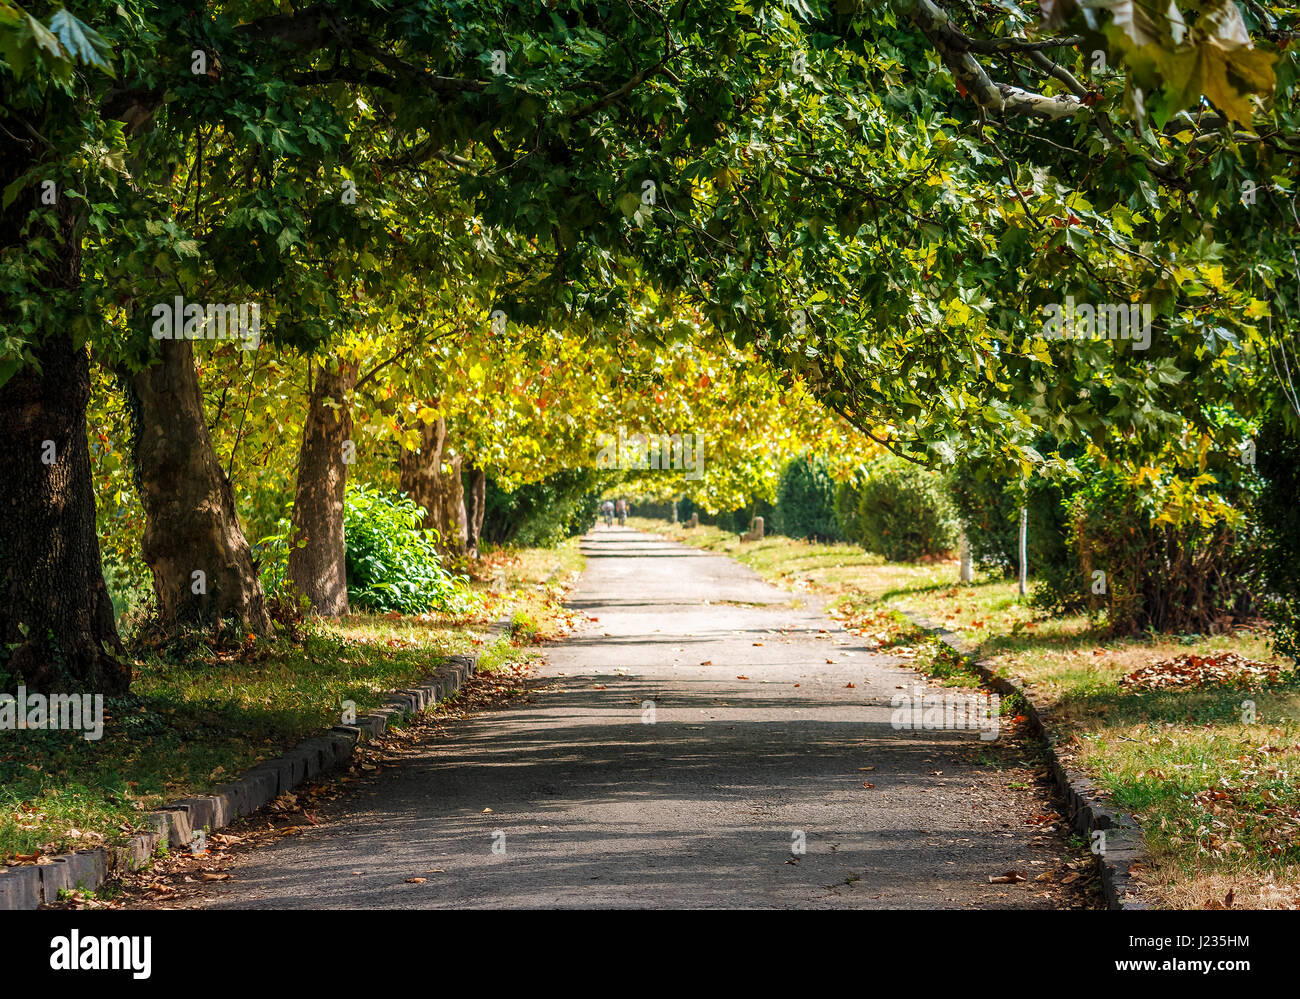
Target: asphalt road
[(765, 717)]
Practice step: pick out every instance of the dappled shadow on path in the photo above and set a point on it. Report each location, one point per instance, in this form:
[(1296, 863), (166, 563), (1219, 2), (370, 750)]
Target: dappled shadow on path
[(594, 807)]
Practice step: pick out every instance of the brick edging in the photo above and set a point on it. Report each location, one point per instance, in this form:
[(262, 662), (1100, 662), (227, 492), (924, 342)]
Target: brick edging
[(31, 885), (1088, 812)]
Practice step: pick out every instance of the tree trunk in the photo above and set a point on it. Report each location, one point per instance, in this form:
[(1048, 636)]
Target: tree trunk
[(476, 505), (57, 631), (418, 470), (440, 494), (319, 567), (967, 571), (203, 569), (455, 524)]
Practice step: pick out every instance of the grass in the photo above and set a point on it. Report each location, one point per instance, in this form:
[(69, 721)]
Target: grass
[(1216, 793), (189, 726)]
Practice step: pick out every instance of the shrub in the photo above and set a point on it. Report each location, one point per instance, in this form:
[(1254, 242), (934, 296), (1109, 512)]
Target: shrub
[(738, 521), (542, 514), (392, 563), (904, 511), (805, 501), (741, 520), (847, 498), (272, 556), (653, 509), (988, 509), (1174, 545), (1278, 462)]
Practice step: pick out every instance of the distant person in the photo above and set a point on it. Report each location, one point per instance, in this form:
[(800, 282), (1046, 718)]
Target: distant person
[(607, 508), (621, 509)]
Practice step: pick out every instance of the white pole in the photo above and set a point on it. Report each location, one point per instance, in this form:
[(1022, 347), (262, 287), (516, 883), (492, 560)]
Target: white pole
[(1024, 550), (967, 569)]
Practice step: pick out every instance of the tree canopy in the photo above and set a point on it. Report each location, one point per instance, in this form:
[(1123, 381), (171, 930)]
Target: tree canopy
[(916, 213)]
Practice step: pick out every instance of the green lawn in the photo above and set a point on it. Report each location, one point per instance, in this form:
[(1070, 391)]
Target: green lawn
[(1218, 797), (188, 726)]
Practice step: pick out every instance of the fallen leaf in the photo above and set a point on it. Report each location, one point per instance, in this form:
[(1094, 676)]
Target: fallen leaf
[(1010, 878)]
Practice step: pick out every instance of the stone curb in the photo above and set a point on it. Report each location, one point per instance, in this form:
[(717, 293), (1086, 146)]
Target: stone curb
[(1124, 844), (29, 886)]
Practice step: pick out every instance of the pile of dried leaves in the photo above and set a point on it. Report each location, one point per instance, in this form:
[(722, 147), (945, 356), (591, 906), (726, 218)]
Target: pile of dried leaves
[(1190, 670)]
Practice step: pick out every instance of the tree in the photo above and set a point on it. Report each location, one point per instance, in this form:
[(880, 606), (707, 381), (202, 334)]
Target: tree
[(846, 195), (57, 627), (317, 556)]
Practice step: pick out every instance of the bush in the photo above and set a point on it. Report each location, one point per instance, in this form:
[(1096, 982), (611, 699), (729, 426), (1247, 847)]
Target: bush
[(542, 514), (653, 509), (904, 511), (847, 499), (805, 502), (989, 513), (738, 521), (392, 563), (988, 509), (271, 553), (1278, 462), (741, 520), (1175, 548)]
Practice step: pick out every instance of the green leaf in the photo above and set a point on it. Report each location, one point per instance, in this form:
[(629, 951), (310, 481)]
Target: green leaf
[(12, 190), (83, 42), (9, 367)]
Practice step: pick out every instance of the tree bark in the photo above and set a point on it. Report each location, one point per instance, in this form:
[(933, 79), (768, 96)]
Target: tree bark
[(57, 631), (203, 569), (318, 560), (440, 493), (455, 525), (476, 504)]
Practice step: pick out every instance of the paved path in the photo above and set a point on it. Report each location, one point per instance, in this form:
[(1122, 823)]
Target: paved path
[(756, 735)]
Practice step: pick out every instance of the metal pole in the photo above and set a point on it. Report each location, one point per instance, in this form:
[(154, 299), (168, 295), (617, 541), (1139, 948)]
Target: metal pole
[(1024, 550)]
